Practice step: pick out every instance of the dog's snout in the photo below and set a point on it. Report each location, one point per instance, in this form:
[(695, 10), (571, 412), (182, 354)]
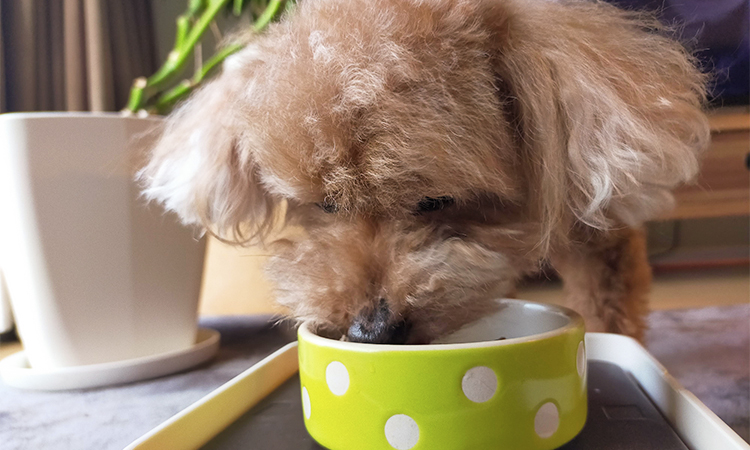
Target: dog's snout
[(377, 326)]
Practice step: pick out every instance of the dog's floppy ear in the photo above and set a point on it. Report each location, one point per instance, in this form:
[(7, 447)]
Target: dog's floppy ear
[(608, 109), (203, 168)]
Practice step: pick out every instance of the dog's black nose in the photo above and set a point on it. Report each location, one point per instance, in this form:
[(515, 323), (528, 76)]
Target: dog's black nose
[(376, 326)]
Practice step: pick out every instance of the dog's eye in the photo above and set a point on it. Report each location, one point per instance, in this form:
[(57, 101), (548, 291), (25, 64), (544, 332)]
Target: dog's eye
[(429, 204), (328, 205)]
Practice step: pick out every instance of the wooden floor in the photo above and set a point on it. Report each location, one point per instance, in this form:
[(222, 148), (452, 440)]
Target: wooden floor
[(687, 289)]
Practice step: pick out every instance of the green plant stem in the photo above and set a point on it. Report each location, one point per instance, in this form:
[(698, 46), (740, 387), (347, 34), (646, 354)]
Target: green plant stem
[(176, 60), (183, 25), (237, 7), (168, 99), (196, 6), (201, 13), (270, 13)]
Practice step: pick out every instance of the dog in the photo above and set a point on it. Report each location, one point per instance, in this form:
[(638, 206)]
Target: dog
[(432, 152)]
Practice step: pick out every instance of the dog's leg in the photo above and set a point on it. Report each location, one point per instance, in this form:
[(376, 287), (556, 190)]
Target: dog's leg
[(607, 279)]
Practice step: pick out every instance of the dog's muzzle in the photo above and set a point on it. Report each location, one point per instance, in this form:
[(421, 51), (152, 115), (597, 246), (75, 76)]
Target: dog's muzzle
[(377, 326)]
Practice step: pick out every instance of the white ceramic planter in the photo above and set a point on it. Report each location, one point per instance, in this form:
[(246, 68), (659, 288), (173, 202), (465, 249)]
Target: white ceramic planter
[(95, 275), (6, 316)]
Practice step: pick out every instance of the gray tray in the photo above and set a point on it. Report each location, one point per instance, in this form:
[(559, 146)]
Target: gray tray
[(634, 404), (620, 417)]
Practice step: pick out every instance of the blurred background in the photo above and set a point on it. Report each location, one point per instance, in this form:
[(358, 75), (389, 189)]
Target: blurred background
[(82, 55)]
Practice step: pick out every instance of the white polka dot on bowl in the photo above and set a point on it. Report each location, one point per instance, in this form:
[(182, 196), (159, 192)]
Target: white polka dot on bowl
[(479, 384), (547, 420), (306, 403), (401, 432), (337, 378)]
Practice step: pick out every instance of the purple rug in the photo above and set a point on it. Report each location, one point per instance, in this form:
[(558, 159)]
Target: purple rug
[(708, 351)]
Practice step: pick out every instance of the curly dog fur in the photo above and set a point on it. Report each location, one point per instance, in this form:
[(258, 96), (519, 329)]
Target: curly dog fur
[(531, 130)]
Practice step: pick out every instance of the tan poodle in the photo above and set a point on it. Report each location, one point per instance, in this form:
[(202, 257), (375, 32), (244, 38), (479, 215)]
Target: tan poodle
[(434, 151)]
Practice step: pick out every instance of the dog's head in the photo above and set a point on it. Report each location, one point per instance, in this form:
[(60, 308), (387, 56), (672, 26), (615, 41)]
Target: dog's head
[(430, 150)]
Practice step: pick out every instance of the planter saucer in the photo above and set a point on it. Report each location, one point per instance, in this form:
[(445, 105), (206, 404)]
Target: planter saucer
[(15, 370)]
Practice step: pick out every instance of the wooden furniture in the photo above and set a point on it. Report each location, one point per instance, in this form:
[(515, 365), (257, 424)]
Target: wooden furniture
[(723, 186), (233, 281)]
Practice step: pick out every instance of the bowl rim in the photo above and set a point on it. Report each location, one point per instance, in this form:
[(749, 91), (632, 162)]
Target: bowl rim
[(575, 320)]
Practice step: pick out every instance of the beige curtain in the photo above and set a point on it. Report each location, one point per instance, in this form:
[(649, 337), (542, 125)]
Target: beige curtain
[(73, 55)]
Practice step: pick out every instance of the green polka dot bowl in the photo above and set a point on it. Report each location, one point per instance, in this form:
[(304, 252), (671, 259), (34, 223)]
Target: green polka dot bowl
[(513, 380)]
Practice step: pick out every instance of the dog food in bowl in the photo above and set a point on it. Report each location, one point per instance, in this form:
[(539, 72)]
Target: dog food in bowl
[(471, 390)]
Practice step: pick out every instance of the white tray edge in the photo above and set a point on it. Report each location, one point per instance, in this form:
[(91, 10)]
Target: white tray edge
[(697, 425), (200, 422)]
